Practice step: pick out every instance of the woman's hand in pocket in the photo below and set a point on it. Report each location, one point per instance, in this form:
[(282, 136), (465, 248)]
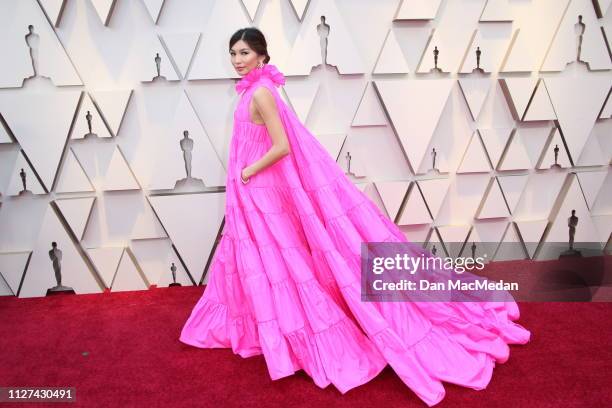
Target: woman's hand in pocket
[(246, 174)]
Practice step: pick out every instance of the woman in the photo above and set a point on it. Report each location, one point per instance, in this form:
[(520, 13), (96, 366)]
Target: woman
[(285, 278)]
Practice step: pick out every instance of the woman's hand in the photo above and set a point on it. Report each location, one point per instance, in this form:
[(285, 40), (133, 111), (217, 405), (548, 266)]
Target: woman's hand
[(246, 174)]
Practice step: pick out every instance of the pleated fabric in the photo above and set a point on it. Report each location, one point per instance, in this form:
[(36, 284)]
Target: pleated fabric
[(285, 279)]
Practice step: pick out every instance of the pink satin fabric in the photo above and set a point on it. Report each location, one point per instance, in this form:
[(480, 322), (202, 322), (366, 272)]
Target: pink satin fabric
[(285, 278)]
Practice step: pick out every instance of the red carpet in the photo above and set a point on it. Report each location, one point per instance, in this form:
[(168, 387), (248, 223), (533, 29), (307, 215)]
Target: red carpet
[(135, 360)]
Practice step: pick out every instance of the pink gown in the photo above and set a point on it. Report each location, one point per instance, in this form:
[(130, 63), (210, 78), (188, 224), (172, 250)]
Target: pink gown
[(285, 278)]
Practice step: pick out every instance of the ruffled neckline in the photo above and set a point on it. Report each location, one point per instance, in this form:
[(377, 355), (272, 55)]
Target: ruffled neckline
[(267, 71)]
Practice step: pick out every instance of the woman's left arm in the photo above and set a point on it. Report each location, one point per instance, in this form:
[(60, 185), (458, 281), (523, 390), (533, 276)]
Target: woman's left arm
[(265, 104)]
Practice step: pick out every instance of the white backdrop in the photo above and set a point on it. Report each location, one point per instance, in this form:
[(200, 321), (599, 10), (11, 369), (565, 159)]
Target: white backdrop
[(112, 202)]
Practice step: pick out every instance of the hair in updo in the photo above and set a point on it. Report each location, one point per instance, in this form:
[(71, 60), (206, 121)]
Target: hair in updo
[(254, 38)]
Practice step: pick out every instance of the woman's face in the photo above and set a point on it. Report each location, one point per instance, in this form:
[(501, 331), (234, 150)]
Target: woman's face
[(244, 58)]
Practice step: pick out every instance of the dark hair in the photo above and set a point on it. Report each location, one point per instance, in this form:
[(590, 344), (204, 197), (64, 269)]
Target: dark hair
[(254, 38)]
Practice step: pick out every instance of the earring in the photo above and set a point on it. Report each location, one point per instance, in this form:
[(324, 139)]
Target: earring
[(260, 65)]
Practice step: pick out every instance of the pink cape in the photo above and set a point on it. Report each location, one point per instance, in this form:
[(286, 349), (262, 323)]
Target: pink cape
[(285, 278)]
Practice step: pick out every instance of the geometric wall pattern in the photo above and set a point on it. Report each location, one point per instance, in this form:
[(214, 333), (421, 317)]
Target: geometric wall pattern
[(454, 114)]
